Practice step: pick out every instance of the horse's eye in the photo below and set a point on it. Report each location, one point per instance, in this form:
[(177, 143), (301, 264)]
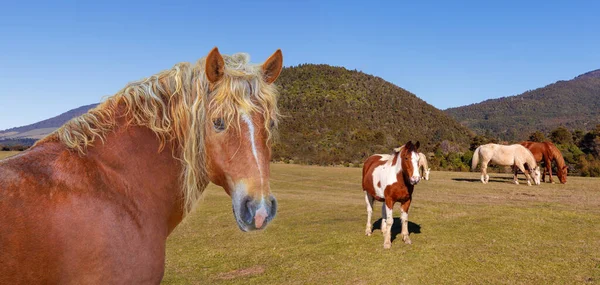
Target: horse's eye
[(218, 125), (272, 124)]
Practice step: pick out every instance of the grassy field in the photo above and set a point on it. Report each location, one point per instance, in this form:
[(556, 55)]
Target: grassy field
[(463, 232), (5, 154)]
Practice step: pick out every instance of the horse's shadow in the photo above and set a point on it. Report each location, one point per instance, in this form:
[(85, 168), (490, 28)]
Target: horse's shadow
[(397, 227), (497, 179)]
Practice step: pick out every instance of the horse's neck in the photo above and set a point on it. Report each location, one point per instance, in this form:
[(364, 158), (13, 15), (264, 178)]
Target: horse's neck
[(556, 156), (130, 155), (398, 166)]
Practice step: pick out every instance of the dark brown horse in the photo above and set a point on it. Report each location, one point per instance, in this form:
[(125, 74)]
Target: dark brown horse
[(548, 152), (391, 178), (94, 202)]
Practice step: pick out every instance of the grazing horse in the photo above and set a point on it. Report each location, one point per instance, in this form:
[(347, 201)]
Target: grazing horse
[(391, 178), (513, 155), (94, 202), (548, 152), (423, 166)]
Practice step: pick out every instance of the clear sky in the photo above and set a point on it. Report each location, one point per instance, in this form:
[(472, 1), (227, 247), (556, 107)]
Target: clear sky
[(59, 55)]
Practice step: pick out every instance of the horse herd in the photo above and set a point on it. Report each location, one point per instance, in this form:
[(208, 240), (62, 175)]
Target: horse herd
[(391, 178), (95, 201)]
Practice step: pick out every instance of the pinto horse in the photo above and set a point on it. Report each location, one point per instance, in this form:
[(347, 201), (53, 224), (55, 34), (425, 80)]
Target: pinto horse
[(94, 202), (423, 166), (391, 178), (548, 152), (513, 155)]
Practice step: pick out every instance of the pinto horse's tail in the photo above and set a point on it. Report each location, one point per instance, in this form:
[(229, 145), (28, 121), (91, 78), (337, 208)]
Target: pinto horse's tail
[(475, 160)]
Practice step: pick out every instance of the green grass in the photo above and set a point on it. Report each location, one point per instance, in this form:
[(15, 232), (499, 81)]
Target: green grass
[(5, 154), (462, 232)]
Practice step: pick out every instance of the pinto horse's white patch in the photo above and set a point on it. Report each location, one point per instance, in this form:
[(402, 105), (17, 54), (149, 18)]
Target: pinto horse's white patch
[(248, 122), (385, 174)]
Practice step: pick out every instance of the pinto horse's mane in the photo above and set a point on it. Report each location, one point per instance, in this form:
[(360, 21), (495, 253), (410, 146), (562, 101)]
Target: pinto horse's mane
[(175, 105)]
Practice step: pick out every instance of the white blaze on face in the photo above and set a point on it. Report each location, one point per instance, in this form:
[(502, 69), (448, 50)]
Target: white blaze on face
[(250, 125), (415, 163)]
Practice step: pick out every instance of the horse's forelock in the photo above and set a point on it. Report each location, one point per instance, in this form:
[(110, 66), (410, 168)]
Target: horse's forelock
[(243, 90)]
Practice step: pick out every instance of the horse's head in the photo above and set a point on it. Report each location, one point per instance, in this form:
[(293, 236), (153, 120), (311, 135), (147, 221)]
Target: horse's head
[(562, 174), (410, 162), (427, 170), (536, 174), (241, 113)]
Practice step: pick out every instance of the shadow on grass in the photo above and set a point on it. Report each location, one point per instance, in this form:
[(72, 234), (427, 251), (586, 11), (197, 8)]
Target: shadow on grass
[(474, 180), (397, 227), (495, 179)]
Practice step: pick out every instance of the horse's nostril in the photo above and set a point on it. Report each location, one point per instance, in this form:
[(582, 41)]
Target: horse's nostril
[(247, 209), (273, 207)]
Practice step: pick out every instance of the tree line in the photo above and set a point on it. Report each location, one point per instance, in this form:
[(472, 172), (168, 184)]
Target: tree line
[(580, 149)]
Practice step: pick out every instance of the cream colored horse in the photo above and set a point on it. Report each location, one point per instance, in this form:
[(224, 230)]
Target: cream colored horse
[(423, 166), (508, 155)]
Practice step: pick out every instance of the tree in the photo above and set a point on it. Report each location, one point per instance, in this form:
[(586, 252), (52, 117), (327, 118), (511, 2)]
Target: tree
[(537, 136), (480, 140), (561, 136)]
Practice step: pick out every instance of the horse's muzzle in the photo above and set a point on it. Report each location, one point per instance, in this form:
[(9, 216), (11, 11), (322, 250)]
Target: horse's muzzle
[(414, 180), (251, 214)]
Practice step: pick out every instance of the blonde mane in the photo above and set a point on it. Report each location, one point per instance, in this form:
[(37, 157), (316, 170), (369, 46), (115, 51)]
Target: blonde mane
[(175, 105)]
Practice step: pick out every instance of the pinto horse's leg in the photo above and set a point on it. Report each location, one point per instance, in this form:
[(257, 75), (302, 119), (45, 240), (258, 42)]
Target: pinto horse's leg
[(387, 235), (383, 217), (516, 179), (404, 217), (369, 199)]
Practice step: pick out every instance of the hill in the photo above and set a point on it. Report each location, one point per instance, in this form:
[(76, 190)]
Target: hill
[(41, 129), (332, 114), (574, 104)]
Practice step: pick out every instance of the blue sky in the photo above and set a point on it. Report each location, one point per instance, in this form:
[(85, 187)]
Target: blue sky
[(59, 55)]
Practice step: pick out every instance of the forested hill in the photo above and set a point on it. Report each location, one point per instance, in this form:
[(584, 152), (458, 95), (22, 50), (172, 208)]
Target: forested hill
[(332, 114), (574, 104)]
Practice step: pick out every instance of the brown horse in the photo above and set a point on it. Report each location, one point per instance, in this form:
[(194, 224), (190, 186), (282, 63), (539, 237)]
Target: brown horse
[(548, 152), (391, 178), (94, 202)]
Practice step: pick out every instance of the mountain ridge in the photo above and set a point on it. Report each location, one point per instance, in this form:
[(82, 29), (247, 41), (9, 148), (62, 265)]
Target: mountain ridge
[(574, 104)]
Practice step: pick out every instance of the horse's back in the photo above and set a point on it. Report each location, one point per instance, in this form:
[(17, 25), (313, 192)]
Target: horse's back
[(54, 230), (503, 154)]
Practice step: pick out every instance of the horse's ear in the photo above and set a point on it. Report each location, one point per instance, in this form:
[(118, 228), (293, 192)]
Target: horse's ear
[(272, 67), (215, 66), (417, 145), (409, 145)]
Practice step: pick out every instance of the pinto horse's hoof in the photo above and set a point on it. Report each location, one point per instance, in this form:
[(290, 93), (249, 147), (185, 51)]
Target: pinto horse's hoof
[(406, 239), (368, 233), (387, 245)]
